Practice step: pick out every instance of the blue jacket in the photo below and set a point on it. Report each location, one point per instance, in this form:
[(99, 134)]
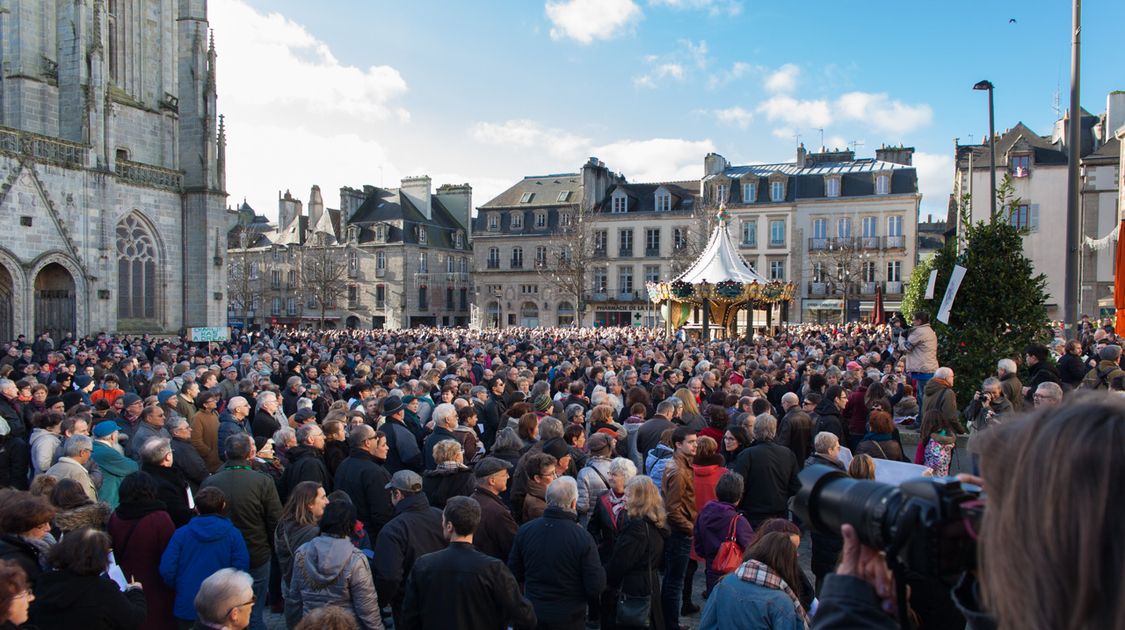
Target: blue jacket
[(736, 603), (198, 549), (114, 467)]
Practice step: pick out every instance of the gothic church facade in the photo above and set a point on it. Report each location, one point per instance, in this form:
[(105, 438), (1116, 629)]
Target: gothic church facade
[(112, 176)]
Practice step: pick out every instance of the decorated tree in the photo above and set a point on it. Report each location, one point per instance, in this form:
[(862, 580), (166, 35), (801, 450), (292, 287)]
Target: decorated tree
[(914, 294)]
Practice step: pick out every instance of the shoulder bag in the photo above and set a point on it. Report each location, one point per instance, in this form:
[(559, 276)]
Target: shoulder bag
[(636, 610), (730, 554)]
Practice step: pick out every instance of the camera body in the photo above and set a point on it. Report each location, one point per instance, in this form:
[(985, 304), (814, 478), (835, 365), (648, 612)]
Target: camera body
[(928, 525)]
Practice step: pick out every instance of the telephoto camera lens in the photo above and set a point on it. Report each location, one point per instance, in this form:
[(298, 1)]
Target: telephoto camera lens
[(828, 498)]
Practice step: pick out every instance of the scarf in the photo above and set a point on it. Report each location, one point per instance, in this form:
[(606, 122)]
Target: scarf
[(616, 505), (878, 437), (943, 382), (759, 573)]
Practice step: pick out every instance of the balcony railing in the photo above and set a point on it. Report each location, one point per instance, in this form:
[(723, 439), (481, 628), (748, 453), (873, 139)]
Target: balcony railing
[(867, 288), (894, 242), (652, 252), (43, 148), (148, 175), (517, 264), (869, 242), (893, 288), (625, 252), (599, 252), (625, 296), (818, 244), (818, 288), (599, 296), (493, 264)]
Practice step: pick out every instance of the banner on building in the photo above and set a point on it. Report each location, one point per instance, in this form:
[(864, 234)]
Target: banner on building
[(950, 293)]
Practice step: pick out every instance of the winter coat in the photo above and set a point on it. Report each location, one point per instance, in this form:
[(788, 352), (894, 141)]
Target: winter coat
[(632, 568), (187, 459), (1038, 374), (1100, 376), (10, 411), (138, 544), (306, 463), (657, 459), (593, 479), (15, 461), (469, 440), (114, 467), (364, 479), (849, 602), (205, 545), (93, 515), (205, 438), (442, 484), (44, 445), (1013, 390), (497, 528), (534, 502), (557, 563), (172, 488), (794, 431), (264, 424), (287, 539), (143, 434), (828, 419), (415, 531), (228, 426), (712, 529), (1071, 371), (67, 468), (335, 451), (939, 396), (825, 547), (982, 417), (403, 452), (921, 350), (648, 436), (770, 473), (856, 412), (254, 506), (30, 556), (679, 495), (605, 520), (460, 587), (705, 474), (91, 602), (880, 446), (330, 571), (737, 603), (439, 434)]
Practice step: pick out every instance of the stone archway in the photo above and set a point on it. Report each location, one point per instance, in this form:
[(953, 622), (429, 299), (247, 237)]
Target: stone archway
[(55, 301), (7, 305)]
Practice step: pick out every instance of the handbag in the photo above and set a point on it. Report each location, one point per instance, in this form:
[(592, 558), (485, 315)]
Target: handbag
[(730, 554), (636, 610)]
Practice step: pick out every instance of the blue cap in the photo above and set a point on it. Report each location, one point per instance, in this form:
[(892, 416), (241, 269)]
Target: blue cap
[(105, 428)]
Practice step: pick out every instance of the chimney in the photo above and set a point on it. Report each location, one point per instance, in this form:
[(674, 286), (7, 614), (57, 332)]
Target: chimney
[(713, 164), (417, 190), (316, 206), (895, 155), (1114, 112), (458, 199), (350, 201), (595, 182), (288, 209), (801, 155)]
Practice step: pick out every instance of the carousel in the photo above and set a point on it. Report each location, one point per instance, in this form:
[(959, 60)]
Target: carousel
[(720, 283)]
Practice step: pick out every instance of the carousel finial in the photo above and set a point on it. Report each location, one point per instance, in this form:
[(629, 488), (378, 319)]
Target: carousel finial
[(724, 216)]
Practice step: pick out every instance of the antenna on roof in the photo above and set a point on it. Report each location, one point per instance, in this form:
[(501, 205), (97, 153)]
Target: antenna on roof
[(1055, 102), (821, 130), (854, 144), (797, 138)]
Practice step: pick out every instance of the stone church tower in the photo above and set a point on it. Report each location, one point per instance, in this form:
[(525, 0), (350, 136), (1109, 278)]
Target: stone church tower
[(112, 174)]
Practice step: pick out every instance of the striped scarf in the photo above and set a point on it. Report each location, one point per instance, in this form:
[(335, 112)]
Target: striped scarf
[(759, 573)]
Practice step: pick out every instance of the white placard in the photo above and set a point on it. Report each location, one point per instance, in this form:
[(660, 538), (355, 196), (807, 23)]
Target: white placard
[(931, 284), (114, 572), (950, 293), (215, 333), (892, 472)]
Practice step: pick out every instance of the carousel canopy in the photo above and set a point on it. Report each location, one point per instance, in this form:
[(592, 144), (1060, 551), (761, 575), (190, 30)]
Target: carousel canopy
[(720, 262)]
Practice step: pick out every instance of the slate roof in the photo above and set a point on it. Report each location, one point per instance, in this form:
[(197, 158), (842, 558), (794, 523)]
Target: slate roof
[(1109, 152), (642, 197), (808, 182), (395, 209), (544, 191)]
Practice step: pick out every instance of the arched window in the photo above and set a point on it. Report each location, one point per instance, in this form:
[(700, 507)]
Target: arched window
[(136, 270)]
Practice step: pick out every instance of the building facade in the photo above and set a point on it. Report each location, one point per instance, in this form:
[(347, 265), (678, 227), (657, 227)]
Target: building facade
[(112, 168), (615, 235), (387, 258), (1036, 167), (836, 226)]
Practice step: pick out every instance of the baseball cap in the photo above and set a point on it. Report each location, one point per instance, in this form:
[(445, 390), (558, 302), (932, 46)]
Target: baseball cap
[(406, 481)]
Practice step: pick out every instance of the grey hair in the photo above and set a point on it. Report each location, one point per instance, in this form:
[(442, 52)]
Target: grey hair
[(550, 428), (219, 593), (943, 373), (265, 396), (75, 444), (1007, 365), (990, 382), (282, 435), (825, 441), (765, 427), (359, 435), (478, 390), (238, 446), (562, 493), (304, 403), (573, 410), (507, 438), (305, 431), (175, 422), (5, 383), (790, 398), (666, 408), (622, 466), (155, 450), (1050, 389), (445, 415)]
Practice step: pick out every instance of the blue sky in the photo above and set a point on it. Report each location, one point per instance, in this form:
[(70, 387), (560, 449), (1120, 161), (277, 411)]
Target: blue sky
[(353, 92)]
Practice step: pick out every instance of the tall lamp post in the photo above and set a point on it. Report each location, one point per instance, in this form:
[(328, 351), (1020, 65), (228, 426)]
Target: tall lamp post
[(987, 85)]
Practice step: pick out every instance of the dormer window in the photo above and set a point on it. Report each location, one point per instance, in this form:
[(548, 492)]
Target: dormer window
[(663, 201), (882, 184), (458, 239), (620, 203), (540, 220), (832, 186), (563, 196), (1020, 165), (380, 233), (420, 231), (527, 197), (517, 220), (565, 219), (353, 233), (777, 190), (493, 222), (749, 193), (721, 193)]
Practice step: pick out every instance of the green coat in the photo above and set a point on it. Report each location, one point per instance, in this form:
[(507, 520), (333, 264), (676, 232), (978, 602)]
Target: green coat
[(254, 506), (114, 467)]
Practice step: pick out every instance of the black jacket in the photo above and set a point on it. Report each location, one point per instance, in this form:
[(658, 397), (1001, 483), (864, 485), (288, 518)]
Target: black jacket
[(14, 548), (794, 431), (632, 569), (442, 484), (10, 411), (15, 462), (825, 547), (264, 424), (770, 471), (172, 488), (306, 463), (187, 459), (402, 449), (66, 600), (497, 528), (1071, 371), (415, 531), (364, 479), (648, 435), (439, 434), (1038, 374), (557, 563), (460, 587), (828, 419), (489, 417)]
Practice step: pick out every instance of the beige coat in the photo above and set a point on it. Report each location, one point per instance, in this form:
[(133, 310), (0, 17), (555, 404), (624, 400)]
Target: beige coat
[(921, 350), (68, 468)]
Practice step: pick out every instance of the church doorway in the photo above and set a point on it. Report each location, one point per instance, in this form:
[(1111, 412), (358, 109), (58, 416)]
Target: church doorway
[(6, 297), (55, 301)]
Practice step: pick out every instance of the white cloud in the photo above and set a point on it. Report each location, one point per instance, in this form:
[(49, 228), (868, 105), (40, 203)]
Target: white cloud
[(783, 80), (676, 65), (305, 107), (784, 133), (587, 20), (737, 116), (713, 7), (697, 52), (736, 71), (810, 113), (935, 181), (529, 134), (881, 113), (652, 78)]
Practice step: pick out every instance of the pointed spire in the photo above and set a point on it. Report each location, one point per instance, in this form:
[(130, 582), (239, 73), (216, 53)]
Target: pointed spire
[(211, 45), (222, 131)]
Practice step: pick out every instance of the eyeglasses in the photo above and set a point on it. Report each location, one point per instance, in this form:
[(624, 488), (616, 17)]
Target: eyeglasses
[(253, 600)]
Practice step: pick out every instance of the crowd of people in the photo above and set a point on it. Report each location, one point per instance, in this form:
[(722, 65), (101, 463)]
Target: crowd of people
[(450, 478)]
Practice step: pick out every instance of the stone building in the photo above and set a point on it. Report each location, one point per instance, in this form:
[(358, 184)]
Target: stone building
[(632, 233), (1036, 165), (836, 226), (396, 257), (111, 168)]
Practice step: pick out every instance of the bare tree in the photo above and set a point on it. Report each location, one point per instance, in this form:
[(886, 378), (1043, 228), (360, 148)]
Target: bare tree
[(839, 265), (244, 284), (324, 273), (579, 248), (701, 223)]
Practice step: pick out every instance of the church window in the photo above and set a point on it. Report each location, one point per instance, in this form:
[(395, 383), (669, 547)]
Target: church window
[(136, 270)]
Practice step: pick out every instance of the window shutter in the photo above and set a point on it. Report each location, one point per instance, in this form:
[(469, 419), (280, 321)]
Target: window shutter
[(1033, 217)]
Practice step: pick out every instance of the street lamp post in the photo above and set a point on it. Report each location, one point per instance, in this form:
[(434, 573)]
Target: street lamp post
[(987, 85)]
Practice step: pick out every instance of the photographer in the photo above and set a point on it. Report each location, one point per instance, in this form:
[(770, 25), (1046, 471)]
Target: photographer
[(984, 411), (1068, 553)]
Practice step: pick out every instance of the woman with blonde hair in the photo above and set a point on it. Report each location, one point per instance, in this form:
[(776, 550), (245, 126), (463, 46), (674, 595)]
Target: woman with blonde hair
[(691, 416), (451, 478), (862, 467), (632, 568)]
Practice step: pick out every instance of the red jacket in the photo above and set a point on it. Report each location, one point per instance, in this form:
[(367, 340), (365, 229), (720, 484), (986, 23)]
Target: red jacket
[(855, 414)]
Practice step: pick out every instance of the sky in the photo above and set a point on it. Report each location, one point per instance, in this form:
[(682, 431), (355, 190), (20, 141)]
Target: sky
[(352, 92)]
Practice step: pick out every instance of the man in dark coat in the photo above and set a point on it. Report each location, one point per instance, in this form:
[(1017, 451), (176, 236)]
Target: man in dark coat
[(497, 528), (415, 531), (265, 423), (771, 471), (1039, 371), (557, 562), (171, 486), (184, 455), (445, 421), (648, 436), (828, 413), (362, 476), (232, 421), (487, 414), (461, 587), (11, 410), (306, 461), (403, 452)]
